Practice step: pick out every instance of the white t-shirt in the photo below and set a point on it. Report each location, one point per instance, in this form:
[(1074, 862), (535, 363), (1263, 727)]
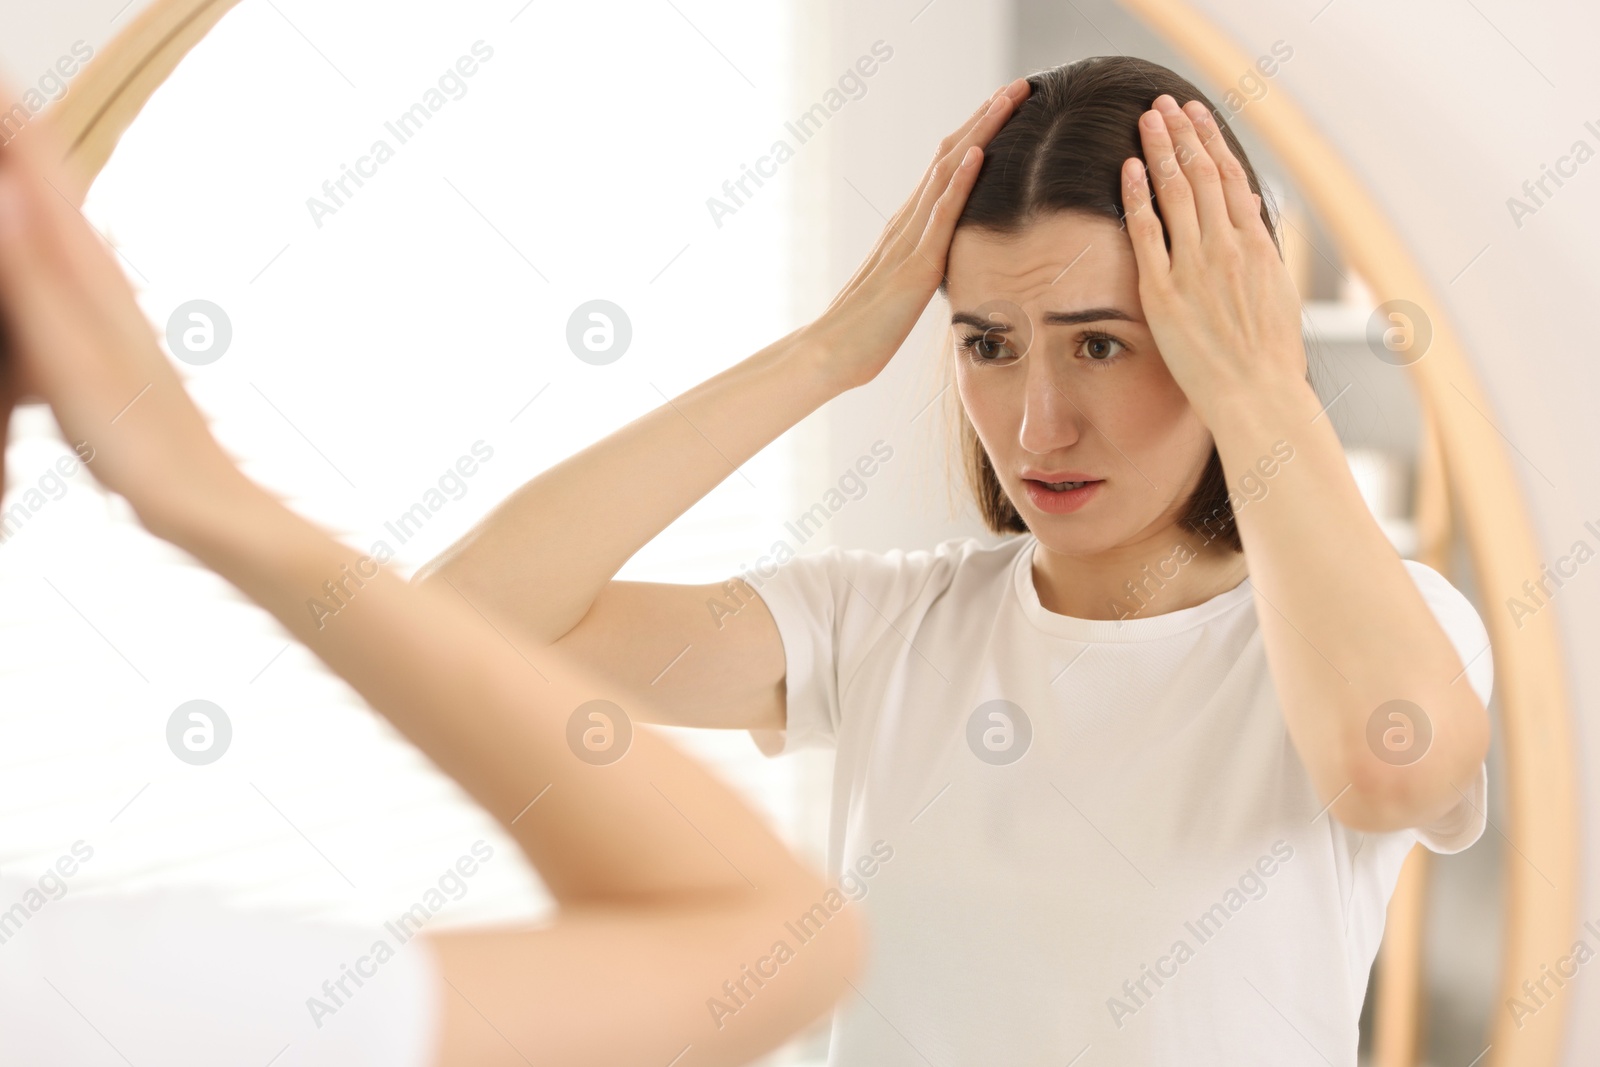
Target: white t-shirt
[(177, 979), (1151, 881)]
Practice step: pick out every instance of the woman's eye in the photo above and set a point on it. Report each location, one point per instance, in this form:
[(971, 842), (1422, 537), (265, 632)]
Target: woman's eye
[(1101, 349), (984, 348)]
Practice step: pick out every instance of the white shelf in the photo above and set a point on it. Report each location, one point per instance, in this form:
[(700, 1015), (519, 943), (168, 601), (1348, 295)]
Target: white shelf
[(1334, 322)]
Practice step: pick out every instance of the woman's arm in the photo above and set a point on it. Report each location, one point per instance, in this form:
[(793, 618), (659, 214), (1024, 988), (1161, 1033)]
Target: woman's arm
[(1346, 628), (668, 884), (544, 556)]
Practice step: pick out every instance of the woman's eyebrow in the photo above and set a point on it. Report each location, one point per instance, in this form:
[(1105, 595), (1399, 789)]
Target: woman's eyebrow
[(1051, 318)]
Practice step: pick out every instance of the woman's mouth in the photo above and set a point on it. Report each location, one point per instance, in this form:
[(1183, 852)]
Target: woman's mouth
[(1061, 498)]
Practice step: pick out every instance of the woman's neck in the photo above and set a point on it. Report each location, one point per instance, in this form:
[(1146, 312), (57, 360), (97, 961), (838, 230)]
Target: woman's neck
[(1164, 573)]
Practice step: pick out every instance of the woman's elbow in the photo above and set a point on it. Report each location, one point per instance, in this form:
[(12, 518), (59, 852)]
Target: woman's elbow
[(1394, 788)]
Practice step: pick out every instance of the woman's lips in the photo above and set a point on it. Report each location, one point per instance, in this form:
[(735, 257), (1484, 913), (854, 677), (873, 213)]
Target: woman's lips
[(1063, 501)]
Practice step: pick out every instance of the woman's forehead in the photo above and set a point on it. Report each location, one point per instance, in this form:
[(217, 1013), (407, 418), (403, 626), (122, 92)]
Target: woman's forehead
[(1066, 259)]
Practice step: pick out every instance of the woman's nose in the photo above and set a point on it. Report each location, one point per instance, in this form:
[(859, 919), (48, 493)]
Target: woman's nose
[(1051, 416)]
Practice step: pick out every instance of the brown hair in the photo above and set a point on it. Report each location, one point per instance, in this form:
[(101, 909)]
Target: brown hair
[(1063, 151)]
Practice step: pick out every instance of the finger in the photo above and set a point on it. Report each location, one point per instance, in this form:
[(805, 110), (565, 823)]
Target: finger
[(952, 149), (38, 150), (63, 241), (898, 238), (942, 151), (1172, 188), (34, 215), (1144, 227), (32, 302), (978, 129), (28, 226), (61, 293), (24, 264), (36, 156), (37, 135), (941, 225), (955, 145), (63, 233), (1235, 183), (1205, 183), (30, 267), (1000, 109)]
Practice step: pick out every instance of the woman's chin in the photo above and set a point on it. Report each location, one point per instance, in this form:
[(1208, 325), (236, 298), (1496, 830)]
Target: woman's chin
[(1068, 535)]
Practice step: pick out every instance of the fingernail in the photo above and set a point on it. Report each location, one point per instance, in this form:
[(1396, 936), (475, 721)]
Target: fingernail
[(1151, 120)]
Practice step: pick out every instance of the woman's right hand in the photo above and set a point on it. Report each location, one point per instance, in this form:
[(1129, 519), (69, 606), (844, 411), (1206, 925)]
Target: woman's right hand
[(874, 313)]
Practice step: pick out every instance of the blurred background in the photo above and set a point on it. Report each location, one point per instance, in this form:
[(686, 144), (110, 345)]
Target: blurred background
[(379, 332)]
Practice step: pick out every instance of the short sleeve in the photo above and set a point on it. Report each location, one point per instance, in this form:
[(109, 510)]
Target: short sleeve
[(1462, 825), (180, 978), (829, 606)]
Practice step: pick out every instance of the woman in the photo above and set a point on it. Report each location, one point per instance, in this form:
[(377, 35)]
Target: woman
[(670, 890), (1150, 767)]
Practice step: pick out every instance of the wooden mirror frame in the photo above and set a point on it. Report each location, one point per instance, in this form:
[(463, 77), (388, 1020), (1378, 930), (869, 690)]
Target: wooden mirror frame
[(1541, 907), (120, 79)]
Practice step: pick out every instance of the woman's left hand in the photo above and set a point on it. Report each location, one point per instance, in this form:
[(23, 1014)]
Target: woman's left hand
[(1221, 305)]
